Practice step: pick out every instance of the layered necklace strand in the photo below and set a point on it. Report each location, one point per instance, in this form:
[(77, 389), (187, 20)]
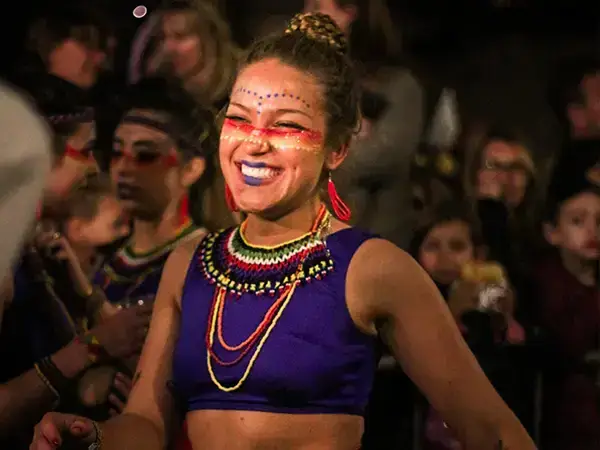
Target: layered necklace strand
[(266, 326)]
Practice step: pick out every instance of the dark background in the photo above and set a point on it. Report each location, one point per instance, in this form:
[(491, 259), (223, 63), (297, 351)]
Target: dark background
[(499, 56)]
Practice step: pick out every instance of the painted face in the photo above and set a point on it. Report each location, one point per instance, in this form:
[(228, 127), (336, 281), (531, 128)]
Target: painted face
[(144, 167), (108, 225), (504, 163), (445, 250), (272, 143), (577, 229), (182, 47), (76, 162)]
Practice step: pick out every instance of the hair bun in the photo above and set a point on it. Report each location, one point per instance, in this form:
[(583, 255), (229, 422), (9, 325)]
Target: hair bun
[(319, 27)]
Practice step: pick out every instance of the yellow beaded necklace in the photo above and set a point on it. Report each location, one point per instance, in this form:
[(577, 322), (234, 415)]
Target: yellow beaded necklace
[(321, 223)]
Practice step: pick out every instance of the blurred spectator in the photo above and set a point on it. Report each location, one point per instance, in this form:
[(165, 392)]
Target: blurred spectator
[(76, 230), (374, 176), (567, 308), (72, 122), (575, 97), (479, 294), (188, 40), (69, 43), (499, 180)]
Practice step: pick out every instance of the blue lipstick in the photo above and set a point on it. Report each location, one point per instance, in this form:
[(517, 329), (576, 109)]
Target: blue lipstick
[(252, 181)]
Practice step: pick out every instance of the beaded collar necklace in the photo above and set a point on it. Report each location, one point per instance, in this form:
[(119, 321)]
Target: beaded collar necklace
[(230, 262), (234, 266)]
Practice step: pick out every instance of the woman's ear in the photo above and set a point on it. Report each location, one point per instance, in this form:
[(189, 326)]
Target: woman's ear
[(335, 158), (192, 171)]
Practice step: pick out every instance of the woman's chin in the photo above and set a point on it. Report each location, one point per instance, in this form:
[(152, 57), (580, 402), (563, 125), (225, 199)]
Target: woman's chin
[(256, 205)]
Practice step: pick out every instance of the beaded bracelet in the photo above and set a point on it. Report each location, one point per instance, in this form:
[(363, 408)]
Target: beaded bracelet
[(49, 385), (97, 444)]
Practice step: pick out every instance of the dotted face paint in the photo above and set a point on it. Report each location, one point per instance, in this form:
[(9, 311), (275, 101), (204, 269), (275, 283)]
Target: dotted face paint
[(260, 100), (281, 139)]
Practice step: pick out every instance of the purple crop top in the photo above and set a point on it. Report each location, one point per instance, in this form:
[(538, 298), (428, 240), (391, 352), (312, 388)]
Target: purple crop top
[(314, 361)]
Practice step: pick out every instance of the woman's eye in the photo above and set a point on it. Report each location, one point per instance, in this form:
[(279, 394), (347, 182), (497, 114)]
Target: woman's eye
[(235, 118), (292, 125)]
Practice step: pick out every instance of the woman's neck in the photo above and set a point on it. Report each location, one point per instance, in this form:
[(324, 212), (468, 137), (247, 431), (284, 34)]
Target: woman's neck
[(584, 270), (149, 235), (264, 231)]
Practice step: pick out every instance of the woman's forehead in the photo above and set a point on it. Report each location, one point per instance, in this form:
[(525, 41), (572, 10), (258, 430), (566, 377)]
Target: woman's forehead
[(273, 84)]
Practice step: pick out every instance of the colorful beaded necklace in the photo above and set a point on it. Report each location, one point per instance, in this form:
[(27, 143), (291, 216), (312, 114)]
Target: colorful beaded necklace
[(236, 267)]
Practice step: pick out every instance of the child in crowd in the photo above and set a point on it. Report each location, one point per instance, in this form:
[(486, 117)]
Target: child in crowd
[(569, 312), (76, 230), (450, 249)]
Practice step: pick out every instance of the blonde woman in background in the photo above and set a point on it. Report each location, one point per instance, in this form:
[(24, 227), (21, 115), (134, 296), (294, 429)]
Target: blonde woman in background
[(188, 40)]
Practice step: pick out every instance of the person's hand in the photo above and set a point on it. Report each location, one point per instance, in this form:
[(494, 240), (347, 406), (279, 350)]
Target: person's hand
[(101, 385), (463, 297), (124, 333), (56, 245), (121, 384), (56, 430)]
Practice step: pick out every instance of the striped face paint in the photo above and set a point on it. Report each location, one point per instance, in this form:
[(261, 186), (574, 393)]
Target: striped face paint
[(280, 138)]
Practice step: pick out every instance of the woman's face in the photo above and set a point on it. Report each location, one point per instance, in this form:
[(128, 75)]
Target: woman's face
[(343, 16), (576, 230), (272, 149), (503, 164), (145, 168), (182, 47), (108, 225), (445, 250)]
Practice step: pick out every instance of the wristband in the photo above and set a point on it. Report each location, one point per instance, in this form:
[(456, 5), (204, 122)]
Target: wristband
[(53, 374)]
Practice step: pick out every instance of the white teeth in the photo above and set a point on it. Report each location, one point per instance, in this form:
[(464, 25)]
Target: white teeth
[(257, 172)]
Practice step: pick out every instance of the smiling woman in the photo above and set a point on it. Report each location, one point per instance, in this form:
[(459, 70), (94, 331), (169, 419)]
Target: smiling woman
[(266, 331)]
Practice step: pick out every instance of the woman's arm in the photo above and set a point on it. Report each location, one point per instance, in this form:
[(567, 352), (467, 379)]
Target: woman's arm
[(28, 397), (145, 423), (387, 286)]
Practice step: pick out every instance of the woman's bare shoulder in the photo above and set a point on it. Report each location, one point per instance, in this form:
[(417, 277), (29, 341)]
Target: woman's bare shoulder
[(181, 257)]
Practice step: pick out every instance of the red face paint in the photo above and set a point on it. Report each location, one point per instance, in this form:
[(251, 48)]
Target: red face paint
[(282, 138)]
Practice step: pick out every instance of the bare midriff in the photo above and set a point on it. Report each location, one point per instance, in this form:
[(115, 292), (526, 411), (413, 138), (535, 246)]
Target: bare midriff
[(251, 430)]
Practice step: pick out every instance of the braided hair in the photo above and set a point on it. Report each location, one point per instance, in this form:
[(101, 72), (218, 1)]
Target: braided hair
[(314, 44)]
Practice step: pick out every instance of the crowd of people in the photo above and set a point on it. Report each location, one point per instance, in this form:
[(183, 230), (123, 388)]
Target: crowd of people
[(250, 246)]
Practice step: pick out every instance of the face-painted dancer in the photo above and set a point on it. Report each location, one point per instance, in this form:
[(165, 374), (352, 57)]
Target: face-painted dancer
[(265, 332)]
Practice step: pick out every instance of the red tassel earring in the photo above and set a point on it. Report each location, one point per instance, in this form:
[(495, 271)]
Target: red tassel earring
[(184, 210), (340, 209), (230, 200)]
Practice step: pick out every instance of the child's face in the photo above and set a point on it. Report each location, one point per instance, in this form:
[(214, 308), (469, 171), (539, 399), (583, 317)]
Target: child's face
[(576, 230), (108, 225), (445, 250)]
